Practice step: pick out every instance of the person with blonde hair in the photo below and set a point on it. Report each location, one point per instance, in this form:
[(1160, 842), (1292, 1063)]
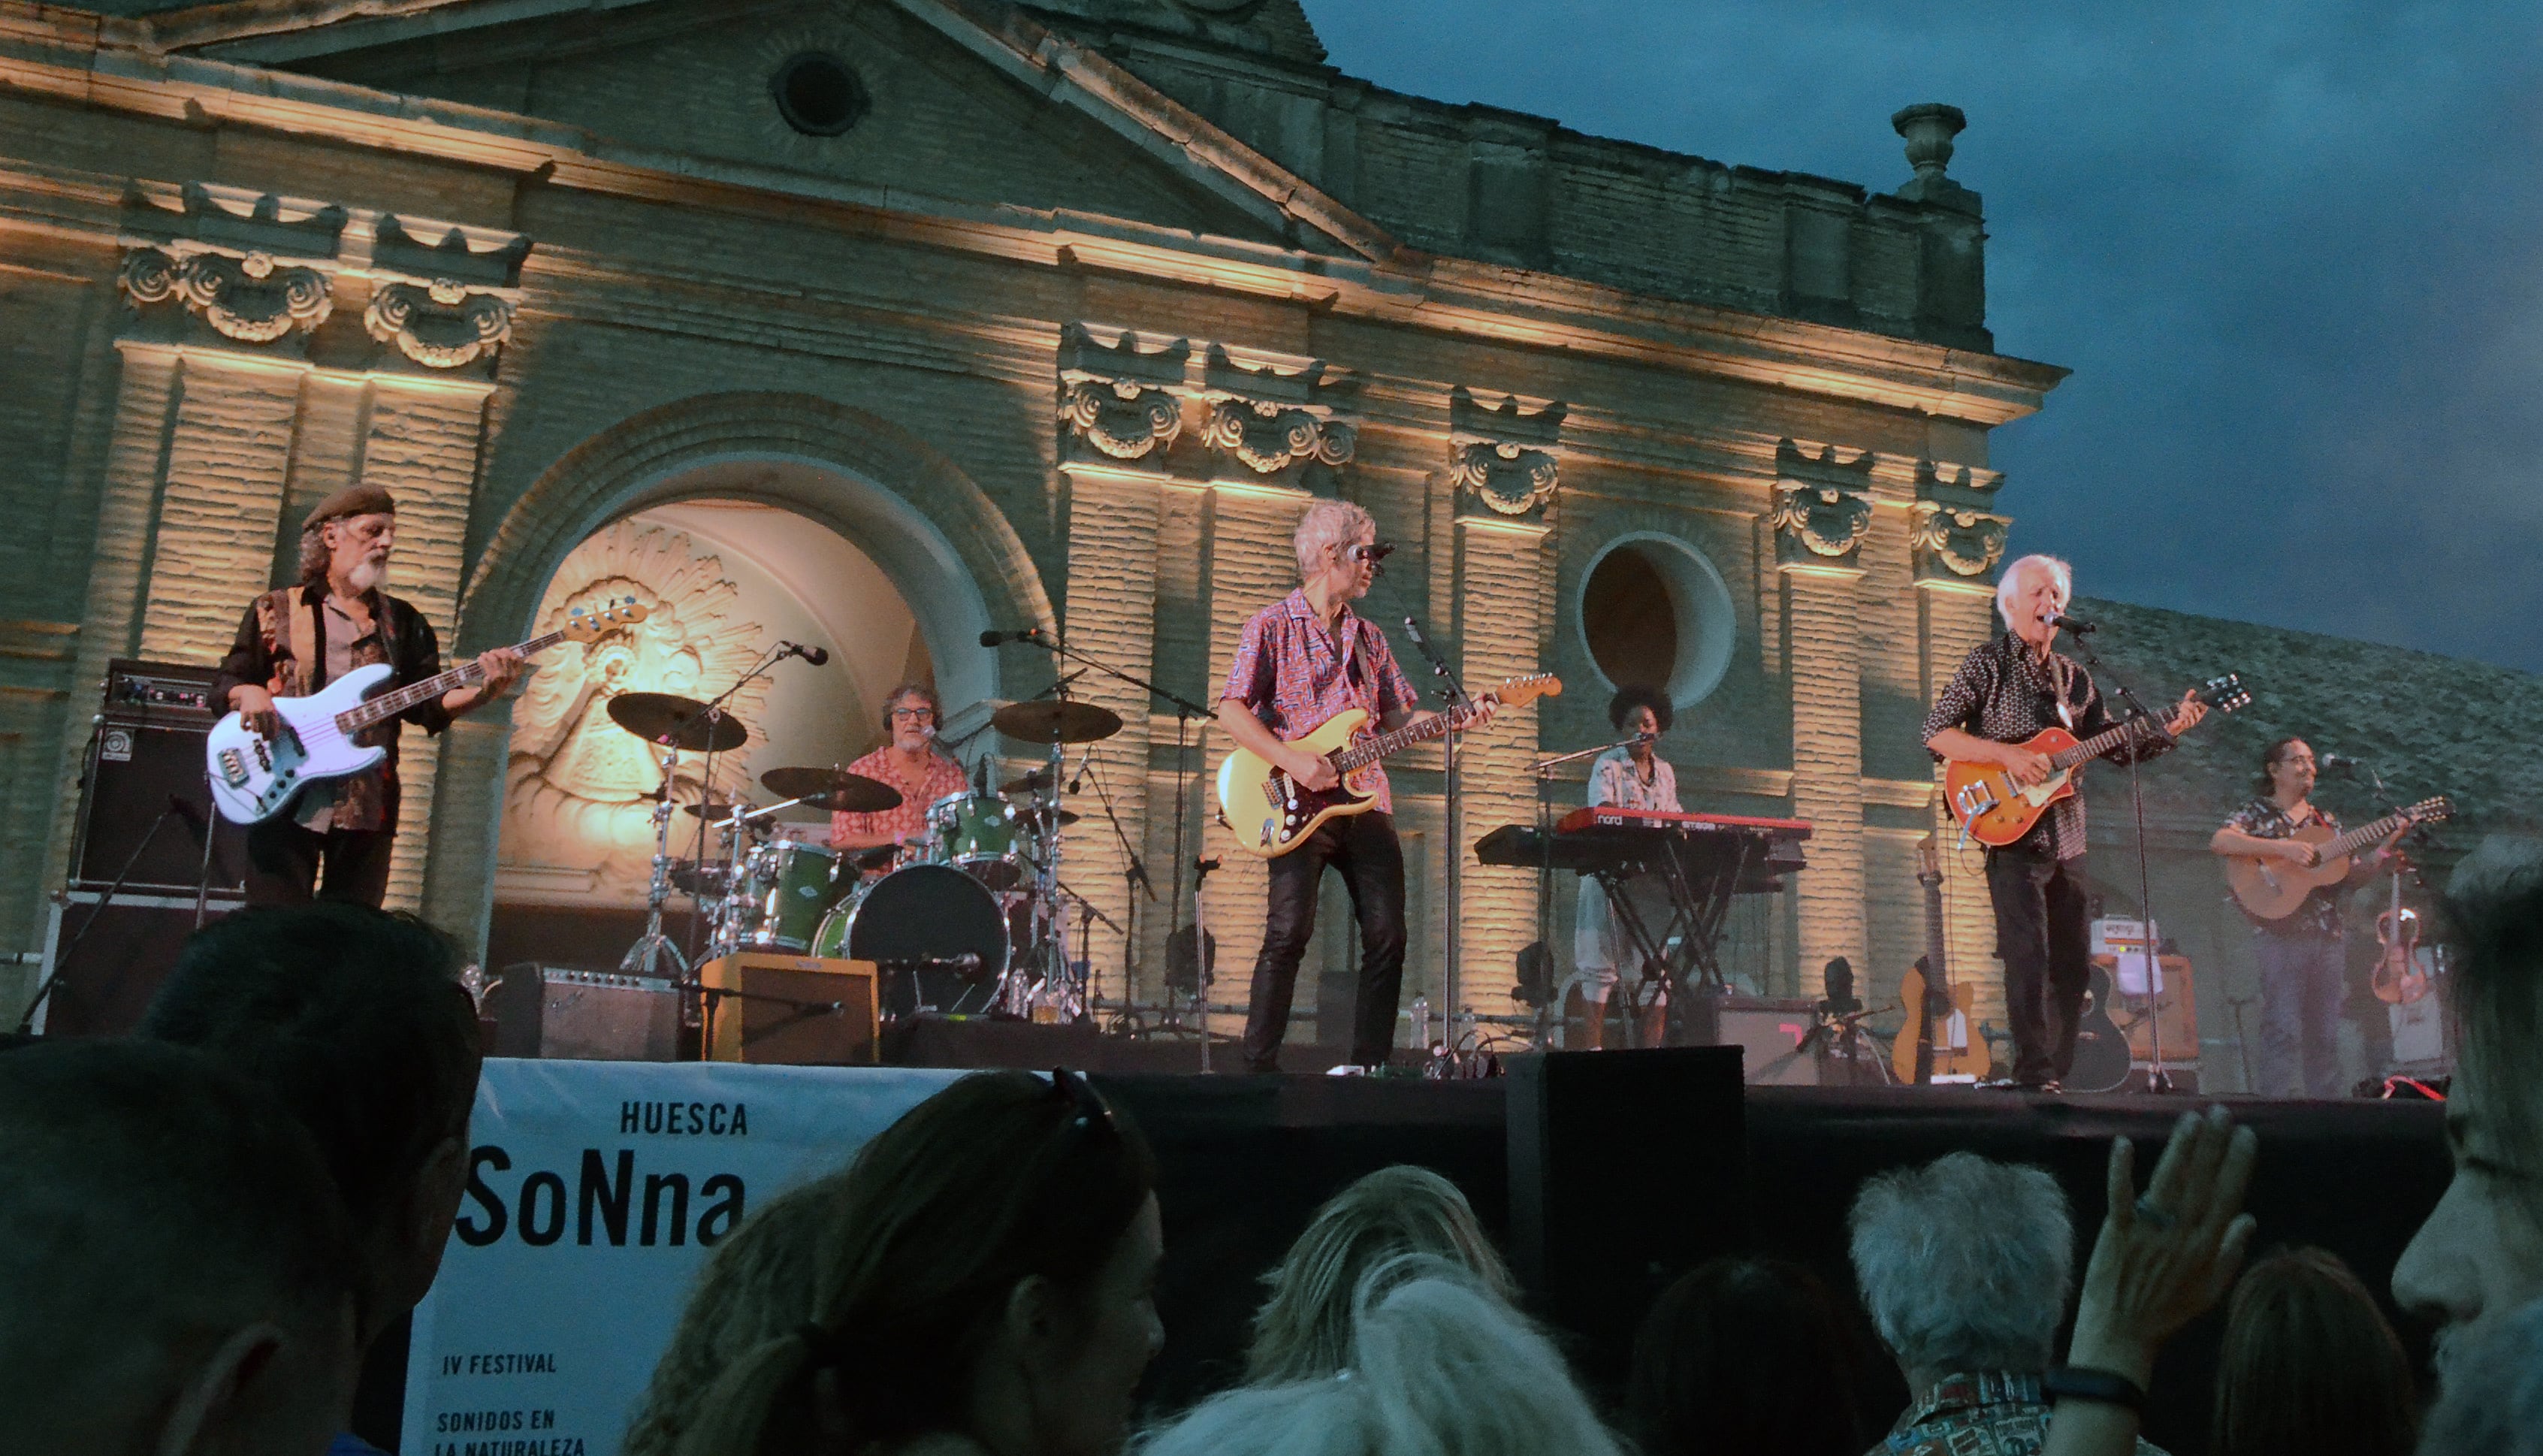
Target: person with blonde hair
[(1303, 1332), (984, 1280), (1300, 663), (1439, 1363)]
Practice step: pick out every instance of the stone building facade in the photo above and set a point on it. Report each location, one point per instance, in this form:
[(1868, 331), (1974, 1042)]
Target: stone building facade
[(1057, 315)]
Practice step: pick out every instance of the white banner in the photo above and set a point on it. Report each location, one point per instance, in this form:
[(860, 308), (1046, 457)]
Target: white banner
[(594, 1192)]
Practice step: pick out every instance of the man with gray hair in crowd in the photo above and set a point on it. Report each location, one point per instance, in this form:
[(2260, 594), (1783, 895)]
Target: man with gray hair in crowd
[(174, 1280), (1964, 1267)]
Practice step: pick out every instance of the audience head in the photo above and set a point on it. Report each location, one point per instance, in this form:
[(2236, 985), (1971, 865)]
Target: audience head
[(2492, 1401), (986, 1266), (1745, 1355), (175, 1277), (1965, 1264), (356, 1020), (1303, 1332), (2481, 1251), (757, 1285), (1439, 1363), (2309, 1364)]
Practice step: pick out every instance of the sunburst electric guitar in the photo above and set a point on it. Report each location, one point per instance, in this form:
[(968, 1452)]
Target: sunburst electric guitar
[(1995, 811), (1274, 814), (254, 777)]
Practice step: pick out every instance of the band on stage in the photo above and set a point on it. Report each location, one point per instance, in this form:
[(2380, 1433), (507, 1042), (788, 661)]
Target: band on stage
[(935, 870)]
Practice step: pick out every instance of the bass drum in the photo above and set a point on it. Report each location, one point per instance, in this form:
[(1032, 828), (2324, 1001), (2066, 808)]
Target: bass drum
[(932, 913)]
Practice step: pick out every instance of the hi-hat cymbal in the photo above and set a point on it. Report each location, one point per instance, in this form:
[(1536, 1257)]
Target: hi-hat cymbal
[(1032, 815), (1048, 722), (1032, 783), (833, 789), (682, 722), (715, 808)]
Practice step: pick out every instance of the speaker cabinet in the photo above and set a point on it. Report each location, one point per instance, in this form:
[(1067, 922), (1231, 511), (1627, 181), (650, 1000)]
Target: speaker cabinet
[(147, 755), (110, 970), (793, 1010), (1768, 1031), (585, 1014)]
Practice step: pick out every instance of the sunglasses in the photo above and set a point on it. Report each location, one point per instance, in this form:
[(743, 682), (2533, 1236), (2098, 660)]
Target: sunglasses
[(1372, 552)]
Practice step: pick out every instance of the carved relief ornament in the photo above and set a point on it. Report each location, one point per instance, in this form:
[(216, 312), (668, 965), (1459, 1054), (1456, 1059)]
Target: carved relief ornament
[(1819, 522), (250, 297), (1962, 542), (446, 304), (1120, 398), (1270, 420), (1506, 458)]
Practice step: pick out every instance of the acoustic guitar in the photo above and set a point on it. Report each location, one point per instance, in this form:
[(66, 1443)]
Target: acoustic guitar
[(2274, 890), (1995, 810), (1272, 813), (2101, 1047), (1935, 1040), (254, 777)]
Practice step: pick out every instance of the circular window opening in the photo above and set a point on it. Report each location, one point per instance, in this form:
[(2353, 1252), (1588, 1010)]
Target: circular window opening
[(818, 93), (1652, 610)]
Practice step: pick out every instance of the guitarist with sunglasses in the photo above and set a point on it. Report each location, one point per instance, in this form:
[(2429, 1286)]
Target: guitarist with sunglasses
[(1302, 660), (2005, 692)]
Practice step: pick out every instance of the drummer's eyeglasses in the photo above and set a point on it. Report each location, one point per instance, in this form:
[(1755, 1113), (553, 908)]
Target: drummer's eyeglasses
[(1094, 1113), (922, 714)]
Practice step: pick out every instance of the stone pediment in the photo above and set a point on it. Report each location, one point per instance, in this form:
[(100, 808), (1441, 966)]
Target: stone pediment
[(950, 106)]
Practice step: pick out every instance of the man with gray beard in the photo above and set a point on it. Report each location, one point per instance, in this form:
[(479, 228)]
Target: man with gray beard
[(294, 642)]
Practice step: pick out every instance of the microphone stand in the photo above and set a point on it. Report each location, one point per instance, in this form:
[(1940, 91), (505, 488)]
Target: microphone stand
[(1135, 876), (1543, 770), (2158, 1077), (1455, 696), (1187, 711), (62, 957)]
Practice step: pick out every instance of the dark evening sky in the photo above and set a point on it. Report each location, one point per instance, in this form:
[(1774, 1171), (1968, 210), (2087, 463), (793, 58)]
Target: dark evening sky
[(2291, 252)]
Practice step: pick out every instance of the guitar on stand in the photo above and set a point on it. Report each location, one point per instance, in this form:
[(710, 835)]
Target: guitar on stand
[(2400, 978), (1995, 811), (255, 778), (1934, 1044)]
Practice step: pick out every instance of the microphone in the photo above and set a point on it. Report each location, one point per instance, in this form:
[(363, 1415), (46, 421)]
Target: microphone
[(993, 638), (817, 657), (2075, 625), (1080, 776), (2329, 761), (1412, 629)]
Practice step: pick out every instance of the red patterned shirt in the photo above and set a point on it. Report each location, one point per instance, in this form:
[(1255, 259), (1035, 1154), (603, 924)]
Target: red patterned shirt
[(1986, 1413), (1294, 675), (943, 776)]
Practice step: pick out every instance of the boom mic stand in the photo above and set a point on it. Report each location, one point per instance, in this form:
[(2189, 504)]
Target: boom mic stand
[(1456, 695), (62, 957), (2158, 1077)]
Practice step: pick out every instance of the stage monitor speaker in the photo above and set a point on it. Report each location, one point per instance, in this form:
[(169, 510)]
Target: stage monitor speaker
[(1626, 1168), (586, 1014), (148, 755), (792, 1009), (1767, 1030), (118, 965)]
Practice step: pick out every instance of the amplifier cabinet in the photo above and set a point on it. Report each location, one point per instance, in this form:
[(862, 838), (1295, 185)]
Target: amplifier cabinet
[(109, 976), (1767, 1030), (585, 1014), (796, 1010), (147, 755)]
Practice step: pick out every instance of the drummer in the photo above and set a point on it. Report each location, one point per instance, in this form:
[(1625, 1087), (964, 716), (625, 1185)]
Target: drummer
[(908, 762)]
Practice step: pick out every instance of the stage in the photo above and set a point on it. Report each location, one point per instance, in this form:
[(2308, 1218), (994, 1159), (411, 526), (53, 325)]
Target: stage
[(1606, 1175)]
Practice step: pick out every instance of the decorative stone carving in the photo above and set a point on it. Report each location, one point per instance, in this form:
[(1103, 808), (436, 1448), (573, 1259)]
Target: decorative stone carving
[(1951, 542), (1119, 399), (438, 325), (252, 298), (575, 804), (1822, 507), (1507, 459), (1271, 420), (443, 305), (239, 222)]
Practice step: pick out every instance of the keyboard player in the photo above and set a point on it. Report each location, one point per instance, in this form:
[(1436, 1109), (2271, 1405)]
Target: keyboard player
[(1632, 776)]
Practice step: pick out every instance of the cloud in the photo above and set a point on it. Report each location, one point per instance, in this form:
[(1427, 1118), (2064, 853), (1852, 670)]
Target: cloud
[(2290, 251)]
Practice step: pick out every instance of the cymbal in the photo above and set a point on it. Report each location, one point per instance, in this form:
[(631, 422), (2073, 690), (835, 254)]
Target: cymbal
[(668, 717), (715, 809), (1032, 783), (833, 789), (1032, 815), (1048, 721)]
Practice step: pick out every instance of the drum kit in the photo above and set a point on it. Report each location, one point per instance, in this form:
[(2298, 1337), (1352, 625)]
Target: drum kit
[(973, 918)]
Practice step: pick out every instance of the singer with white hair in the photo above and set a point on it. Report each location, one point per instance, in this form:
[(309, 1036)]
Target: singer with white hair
[(2005, 692), (294, 641), (908, 761)]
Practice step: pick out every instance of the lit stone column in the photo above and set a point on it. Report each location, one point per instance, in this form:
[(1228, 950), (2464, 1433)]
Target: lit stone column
[(421, 447), (1112, 617), (1956, 544), (1822, 515), (467, 818), (228, 451)]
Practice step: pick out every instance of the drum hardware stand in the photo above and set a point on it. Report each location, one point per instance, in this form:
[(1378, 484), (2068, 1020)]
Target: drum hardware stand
[(653, 947), (1201, 959), (1187, 711), (1454, 694), (2158, 1077)]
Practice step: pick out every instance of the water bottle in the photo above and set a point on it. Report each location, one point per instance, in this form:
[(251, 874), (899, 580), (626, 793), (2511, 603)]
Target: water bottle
[(1421, 1024)]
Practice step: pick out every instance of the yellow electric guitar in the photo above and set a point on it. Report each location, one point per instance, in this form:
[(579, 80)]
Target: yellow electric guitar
[(1272, 813)]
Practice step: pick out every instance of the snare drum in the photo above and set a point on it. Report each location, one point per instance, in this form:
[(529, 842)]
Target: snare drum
[(978, 833), (791, 886), (945, 931)]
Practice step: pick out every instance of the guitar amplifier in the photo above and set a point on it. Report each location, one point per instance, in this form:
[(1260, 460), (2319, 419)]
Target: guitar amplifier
[(143, 784), (1768, 1031), (586, 1014)]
